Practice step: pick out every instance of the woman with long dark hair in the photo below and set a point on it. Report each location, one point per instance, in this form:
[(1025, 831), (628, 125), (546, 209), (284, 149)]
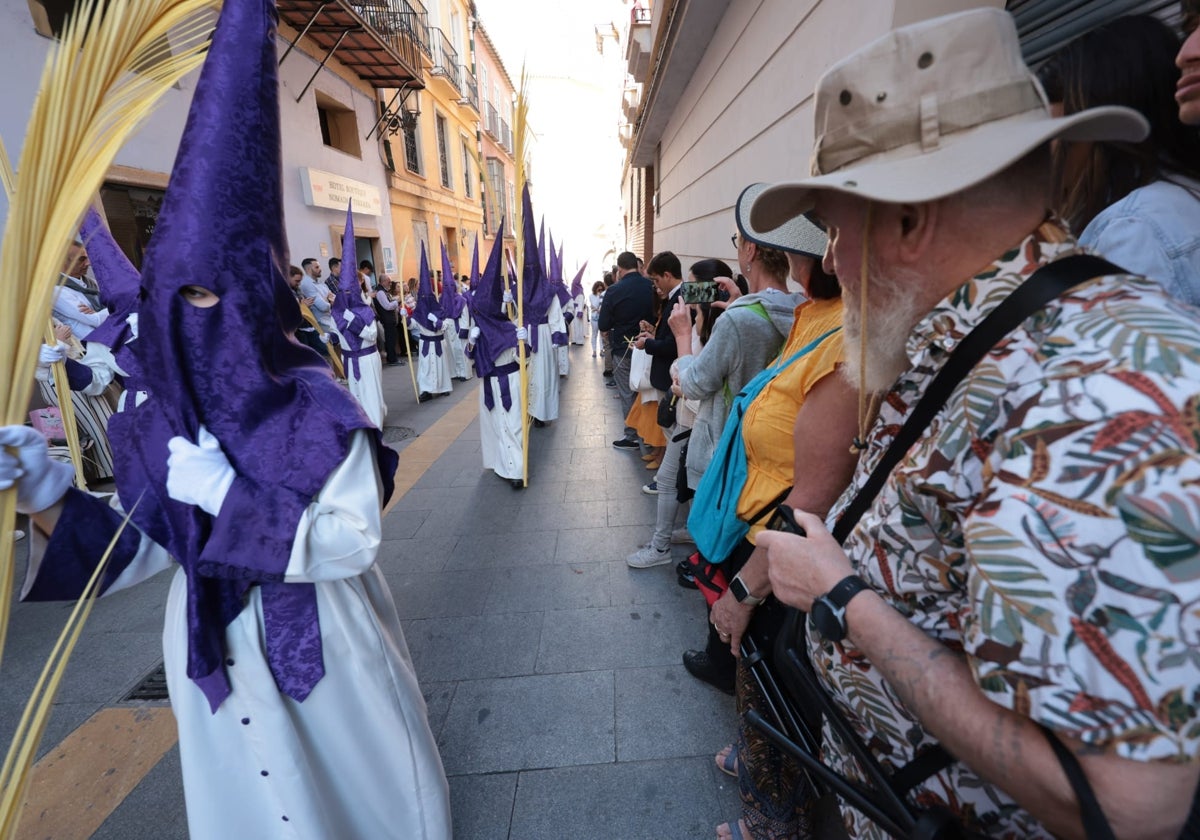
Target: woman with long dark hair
[(1136, 204)]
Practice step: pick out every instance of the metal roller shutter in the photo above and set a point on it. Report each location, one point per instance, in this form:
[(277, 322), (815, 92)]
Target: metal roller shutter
[(1045, 25)]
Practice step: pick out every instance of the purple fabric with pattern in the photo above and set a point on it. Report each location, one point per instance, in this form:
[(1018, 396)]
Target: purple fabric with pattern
[(119, 283), (281, 419)]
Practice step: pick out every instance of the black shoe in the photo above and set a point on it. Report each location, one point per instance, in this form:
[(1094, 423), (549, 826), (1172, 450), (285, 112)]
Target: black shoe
[(443, 394), (684, 576), (626, 444), (608, 374), (610, 384), (539, 424), (700, 666), (516, 484), (425, 397)]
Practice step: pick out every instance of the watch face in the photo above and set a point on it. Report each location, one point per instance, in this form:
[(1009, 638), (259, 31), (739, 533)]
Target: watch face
[(738, 589), (825, 619)]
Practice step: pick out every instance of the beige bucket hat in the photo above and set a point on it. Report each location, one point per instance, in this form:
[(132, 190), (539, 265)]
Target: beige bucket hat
[(929, 110), (797, 235)]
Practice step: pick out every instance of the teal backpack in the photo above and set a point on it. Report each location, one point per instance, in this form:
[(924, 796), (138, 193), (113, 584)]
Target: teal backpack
[(713, 522)]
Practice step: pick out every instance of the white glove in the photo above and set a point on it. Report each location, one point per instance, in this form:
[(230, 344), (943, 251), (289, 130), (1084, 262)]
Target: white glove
[(199, 475), (508, 298), (47, 356), (473, 334), (522, 334), (348, 316), (25, 462), (324, 338), (433, 319)]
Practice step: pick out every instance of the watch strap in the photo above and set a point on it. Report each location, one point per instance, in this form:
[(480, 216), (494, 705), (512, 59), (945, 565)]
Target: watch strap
[(846, 589), (741, 592)]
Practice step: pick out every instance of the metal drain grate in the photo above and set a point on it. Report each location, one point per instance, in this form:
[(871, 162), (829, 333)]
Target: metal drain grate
[(395, 434), (153, 686)]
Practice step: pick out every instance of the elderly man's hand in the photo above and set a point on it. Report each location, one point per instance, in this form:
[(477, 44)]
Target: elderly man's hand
[(803, 569), (730, 619)]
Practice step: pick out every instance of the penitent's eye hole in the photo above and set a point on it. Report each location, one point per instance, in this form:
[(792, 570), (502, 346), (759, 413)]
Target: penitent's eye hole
[(199, 296)]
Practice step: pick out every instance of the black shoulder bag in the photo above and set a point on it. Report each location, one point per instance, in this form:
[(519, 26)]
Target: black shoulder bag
[(796, 699)]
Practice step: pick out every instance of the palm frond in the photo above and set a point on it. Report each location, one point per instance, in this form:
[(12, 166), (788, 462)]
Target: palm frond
[(520, 125)]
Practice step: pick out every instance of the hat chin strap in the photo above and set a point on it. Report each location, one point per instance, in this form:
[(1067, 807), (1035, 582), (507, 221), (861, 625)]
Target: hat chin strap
[(866, 411)]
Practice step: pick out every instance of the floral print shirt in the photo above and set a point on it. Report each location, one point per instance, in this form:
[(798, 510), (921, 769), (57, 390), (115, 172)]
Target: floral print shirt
[(1047, 524)]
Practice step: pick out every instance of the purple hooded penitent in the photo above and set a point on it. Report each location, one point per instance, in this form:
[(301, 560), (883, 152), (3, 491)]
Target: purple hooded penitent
[(496, 332), (428, 303), (577, 283), (536, 290), (452, 301), (235, 368), (474, 268), (117, 278), (349, 299)]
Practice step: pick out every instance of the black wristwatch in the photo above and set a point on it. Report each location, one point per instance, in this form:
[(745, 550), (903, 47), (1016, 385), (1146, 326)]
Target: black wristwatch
[(741, 594), (829, 611)]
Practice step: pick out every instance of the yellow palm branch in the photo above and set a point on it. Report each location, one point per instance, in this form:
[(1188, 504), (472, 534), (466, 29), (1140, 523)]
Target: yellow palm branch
[(520, 124)]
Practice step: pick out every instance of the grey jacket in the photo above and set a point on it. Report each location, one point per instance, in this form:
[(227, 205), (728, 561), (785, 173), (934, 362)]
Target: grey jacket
[(742, 344)]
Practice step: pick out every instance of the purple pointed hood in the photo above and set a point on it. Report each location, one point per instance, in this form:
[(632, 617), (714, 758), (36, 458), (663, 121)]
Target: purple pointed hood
[(428, 302), (577, 283), (496, 332), (349, 297), (234, 367), (474, 266), (117, 278), (452, 301), (535, 287)]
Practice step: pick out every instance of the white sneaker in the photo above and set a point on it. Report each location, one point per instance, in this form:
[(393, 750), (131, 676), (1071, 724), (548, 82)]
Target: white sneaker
[(648, 556), (680, 536)]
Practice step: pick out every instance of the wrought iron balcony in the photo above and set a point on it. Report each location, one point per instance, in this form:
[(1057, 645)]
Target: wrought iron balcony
[(379, 40), (469, 89), (444, 57), (491, 123)]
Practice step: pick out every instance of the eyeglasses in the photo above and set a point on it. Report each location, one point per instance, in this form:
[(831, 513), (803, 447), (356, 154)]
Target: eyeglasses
[(734, 240)]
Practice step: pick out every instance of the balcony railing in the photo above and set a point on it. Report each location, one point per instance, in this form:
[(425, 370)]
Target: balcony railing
[(401, 24), (506, 138), (491, 123), (444, 57), (469, 89), (639, 15)]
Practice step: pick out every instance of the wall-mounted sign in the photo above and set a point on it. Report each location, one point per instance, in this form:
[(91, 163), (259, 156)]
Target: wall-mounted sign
[(324, 189)]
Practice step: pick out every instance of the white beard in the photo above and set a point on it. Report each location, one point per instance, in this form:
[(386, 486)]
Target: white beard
[(893, 309)]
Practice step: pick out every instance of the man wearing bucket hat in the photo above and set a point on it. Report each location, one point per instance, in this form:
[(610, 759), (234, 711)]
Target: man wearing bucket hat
[(1022, 581)]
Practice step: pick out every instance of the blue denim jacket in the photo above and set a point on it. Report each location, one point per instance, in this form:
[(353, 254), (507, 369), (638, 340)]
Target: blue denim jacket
[(1154, 231)]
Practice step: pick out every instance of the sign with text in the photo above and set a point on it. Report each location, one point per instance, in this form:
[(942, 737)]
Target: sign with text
[(324, 189)]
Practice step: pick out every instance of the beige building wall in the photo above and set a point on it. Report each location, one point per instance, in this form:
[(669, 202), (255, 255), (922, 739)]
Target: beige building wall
[(746, 114)]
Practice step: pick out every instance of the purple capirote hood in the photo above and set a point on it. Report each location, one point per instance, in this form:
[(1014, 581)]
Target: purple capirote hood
[(283, 422)]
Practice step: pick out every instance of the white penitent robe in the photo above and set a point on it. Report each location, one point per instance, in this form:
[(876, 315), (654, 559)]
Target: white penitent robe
[(543, 367), (463, 325), (433, 368), (356, 759), (500, 433), (578, 327), (455, 347), (367, 387)]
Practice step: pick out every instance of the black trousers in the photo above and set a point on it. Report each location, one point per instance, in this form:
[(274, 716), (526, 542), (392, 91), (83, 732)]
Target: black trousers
[(390, 334)]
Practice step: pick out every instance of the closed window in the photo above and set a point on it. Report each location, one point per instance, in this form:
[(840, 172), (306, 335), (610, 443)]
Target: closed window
[(412, 146), (468, 187), (443, 151)]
